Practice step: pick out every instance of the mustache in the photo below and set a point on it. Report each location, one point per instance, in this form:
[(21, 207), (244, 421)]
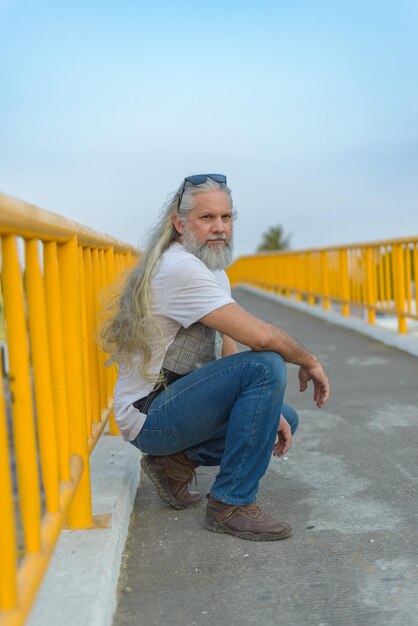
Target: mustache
[(217, 237)]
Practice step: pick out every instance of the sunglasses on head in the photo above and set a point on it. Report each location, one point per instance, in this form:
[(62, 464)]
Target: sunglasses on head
[(199, 179)]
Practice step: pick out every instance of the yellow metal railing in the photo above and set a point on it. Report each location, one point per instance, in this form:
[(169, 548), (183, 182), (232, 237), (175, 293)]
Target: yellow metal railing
[(55, 392), (378, 276)]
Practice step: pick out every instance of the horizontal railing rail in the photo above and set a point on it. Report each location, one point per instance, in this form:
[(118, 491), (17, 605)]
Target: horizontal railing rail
[(55, 391), (379, 277)]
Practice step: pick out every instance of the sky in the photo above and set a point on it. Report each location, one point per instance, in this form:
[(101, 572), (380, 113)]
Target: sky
[(310, 107)]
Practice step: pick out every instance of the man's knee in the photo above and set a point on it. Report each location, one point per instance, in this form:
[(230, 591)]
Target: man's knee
[(274, 364), (268, 368)]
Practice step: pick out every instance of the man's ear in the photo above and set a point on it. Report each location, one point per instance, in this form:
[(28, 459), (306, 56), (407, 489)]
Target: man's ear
[(178, 224)]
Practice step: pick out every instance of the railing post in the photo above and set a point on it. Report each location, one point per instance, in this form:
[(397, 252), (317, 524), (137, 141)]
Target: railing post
[(85, 342), (109, 256), (407, 266), (371, 298), (289, 275), (399, 286), (92, 323), (270, 273), (345, 282), (415, 275), (42, 376), (56, 347), (97, 287), (20, 387), (8, 579), (325, 280), (80, 514), (309, 257), (299, 273)]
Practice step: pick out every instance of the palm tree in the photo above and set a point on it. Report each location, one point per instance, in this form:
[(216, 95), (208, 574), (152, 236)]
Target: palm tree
[(274, 239)]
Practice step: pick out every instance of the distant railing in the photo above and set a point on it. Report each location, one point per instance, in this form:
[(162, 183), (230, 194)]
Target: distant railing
[(55, 392), (379, 277)]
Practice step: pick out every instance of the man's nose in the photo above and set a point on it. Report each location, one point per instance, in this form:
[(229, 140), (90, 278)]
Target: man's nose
[(218, 225)]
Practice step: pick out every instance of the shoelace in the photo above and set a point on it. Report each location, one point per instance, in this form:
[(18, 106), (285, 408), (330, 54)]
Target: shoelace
[(254, 511)]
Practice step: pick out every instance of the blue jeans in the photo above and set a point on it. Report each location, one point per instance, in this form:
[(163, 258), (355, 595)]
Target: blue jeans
[(224, 413)]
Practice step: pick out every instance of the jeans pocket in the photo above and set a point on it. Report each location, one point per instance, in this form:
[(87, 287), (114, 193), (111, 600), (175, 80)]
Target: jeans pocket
[(160, 442)]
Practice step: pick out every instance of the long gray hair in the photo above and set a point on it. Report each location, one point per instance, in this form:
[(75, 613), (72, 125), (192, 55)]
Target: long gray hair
[(132, 331)]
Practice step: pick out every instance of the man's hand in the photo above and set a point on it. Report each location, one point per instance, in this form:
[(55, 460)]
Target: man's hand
[(317, 375), (284, 438)]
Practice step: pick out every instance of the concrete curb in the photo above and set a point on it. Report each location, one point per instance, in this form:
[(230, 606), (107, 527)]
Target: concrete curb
[(81, 580), (405, 343)]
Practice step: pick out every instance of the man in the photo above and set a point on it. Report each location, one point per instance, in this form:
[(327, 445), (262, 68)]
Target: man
[(185, 396)]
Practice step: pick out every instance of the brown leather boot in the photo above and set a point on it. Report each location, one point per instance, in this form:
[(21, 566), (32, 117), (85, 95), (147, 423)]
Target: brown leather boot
[(171, 475), (246, 522)]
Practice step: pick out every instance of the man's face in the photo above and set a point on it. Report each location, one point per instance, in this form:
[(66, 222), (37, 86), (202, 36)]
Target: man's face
[(208, 231)]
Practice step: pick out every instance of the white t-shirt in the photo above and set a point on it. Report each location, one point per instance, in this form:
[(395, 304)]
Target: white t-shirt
[(183, 291)]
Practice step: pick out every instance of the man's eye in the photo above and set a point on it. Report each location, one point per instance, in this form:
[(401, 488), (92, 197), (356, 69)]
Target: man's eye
[(206, 217)]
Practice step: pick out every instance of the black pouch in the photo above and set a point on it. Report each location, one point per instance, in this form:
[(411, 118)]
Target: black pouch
[(143, 404)]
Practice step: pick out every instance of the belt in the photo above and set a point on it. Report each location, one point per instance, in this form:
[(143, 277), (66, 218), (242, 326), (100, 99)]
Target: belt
[(170, 377)]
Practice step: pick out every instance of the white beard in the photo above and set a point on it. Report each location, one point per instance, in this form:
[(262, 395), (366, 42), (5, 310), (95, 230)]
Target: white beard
[(217, 257)]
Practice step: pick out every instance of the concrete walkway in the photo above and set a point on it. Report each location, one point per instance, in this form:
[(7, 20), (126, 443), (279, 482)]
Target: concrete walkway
[(348, 485)]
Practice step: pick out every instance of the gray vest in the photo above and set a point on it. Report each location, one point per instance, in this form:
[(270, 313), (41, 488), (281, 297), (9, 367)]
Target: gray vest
[(193, 347)]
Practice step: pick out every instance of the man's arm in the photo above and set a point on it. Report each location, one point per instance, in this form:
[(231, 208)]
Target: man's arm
[(236, 323), (229, 346)]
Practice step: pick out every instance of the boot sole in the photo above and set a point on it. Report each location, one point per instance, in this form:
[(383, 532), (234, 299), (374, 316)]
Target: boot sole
[(220, 528), (157, 477)]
